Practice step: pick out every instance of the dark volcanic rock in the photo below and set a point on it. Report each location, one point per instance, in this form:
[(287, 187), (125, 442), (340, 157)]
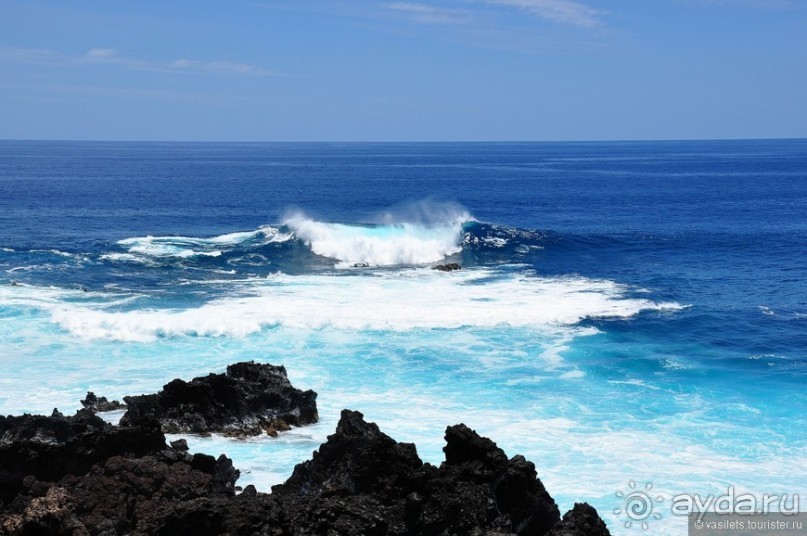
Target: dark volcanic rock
[(250, 399), (518, 492), (363, 482), (239, 515), (582, 520), (360, 481), (50, 447), (450, 267), (357, 459), (80, 475), (94, 403)]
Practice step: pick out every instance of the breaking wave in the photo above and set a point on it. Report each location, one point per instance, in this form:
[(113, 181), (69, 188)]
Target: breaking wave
[(394, 301), (379, 245)]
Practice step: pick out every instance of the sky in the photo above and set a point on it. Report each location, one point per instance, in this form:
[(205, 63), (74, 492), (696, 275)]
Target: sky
[(420, 70)]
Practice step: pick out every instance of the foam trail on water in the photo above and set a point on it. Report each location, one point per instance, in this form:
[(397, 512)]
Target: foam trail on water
[(415, 233), (398, 301), (186, 246)]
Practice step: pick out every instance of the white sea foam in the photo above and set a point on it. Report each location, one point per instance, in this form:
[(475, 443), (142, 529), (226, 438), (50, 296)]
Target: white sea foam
[(186, 246), (156, 249), (588, 438), (637, 383), (126, 257), (495, 242), (53, 252), (399, 301), (416, 234), (381, 245)]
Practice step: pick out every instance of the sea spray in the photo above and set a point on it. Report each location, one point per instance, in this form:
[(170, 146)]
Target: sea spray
[(378, 245)]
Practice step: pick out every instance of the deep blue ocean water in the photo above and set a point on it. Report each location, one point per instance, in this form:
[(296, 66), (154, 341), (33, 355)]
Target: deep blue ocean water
[(629, 311)]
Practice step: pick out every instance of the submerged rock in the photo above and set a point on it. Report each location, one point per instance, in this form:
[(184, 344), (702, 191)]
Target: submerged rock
[(95, 403), (250, 399), (450, 267)]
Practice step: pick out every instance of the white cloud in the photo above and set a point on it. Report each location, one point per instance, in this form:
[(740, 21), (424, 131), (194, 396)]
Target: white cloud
[(761, 4), (108, 56), (430, 14), (101, 53), (221, 67), (30, 55), (561, 11)]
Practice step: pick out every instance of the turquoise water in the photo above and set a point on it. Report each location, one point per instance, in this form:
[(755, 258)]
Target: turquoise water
[(625, 312)]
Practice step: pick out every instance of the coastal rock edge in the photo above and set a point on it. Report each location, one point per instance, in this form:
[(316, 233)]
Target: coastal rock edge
[(80, 475), (249, 399)]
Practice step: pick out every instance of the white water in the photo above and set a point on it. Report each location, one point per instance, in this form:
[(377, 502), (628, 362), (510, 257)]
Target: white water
[(381, 245), (396, 301), (187, 246), (415, 350)]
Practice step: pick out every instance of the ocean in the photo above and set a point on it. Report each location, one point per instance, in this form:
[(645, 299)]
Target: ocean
[(630, 316)]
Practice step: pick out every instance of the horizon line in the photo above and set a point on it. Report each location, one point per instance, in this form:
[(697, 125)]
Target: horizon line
[(587, 140)]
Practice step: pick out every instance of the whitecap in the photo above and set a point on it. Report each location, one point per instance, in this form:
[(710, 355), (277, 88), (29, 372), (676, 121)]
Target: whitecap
[(495, 242), (52, 252), (184, 247), (767, 311), (379, 245), (396, 301)]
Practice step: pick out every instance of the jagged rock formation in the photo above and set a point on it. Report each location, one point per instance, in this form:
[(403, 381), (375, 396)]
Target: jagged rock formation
[(582, 520), (80, 476), (361, 481), (47, 448), (95, 403), (250, 399)]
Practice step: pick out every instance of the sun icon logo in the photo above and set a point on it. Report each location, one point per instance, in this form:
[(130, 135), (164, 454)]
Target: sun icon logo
[(637, 505)]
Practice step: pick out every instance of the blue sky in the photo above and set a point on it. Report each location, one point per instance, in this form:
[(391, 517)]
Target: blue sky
[(346, 70)]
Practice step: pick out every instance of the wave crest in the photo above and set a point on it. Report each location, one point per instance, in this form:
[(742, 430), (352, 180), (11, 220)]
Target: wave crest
[(395, 301), (415, 234), (389, 244)]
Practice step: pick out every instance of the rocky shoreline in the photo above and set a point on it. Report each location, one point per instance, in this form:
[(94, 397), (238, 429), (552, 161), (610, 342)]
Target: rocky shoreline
[(249, 399), (79, 475)]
